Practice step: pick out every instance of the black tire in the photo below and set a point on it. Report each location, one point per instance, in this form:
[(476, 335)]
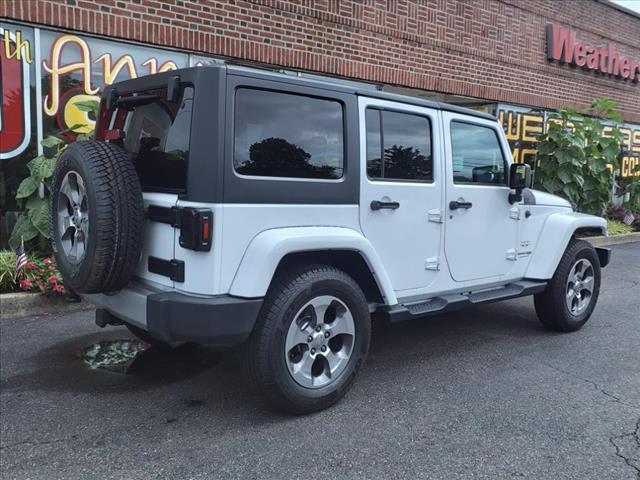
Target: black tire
[(115, 219), (264, 352), (551, 305)]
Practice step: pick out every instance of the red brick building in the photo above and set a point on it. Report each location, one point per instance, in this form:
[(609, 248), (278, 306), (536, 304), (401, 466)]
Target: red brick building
[(491, 54)]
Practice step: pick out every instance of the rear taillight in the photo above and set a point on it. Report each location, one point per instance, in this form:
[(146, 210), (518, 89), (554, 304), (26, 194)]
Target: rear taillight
[(196, 228)]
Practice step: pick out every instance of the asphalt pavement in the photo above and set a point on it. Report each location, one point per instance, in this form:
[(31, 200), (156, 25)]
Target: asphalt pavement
[(485, 393)]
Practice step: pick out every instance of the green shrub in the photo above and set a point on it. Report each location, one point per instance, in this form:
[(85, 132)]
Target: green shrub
[(33, 192), (7, 271), (616, 227), (576, 159)]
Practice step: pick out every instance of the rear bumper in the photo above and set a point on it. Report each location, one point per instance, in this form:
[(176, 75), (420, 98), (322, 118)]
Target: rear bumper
[(172, 316), (221, 320)]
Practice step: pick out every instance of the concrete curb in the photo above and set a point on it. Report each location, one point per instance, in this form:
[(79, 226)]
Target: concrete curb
[(614, 240), (23, 304)]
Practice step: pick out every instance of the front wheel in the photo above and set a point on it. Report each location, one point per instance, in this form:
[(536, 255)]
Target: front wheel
[(571, 295), (310, 340)]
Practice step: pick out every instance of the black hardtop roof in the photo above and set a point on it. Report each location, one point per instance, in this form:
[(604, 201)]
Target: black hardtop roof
[(293, 78), (317, 81), (346, 86)]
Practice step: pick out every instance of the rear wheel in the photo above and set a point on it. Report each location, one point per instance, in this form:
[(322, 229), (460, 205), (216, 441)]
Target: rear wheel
[(310, 340), (571, 295)]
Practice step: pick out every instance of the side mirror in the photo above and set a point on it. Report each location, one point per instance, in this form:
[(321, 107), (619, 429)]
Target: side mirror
[(519, 179)]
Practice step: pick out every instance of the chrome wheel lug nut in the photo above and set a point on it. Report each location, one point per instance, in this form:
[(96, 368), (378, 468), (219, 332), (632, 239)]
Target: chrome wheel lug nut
[(313, 351), (323, 348), (318, 328), (309, 339), (326, 334)]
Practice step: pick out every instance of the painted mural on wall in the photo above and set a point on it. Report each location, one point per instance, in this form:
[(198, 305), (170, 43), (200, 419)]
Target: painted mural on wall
[(522, 125), (44, 74)]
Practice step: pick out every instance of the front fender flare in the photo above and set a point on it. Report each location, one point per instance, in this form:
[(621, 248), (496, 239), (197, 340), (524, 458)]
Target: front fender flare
[(556, 233), (269, 247)]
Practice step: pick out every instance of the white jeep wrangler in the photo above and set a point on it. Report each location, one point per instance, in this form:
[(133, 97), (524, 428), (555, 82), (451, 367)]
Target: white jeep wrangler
[(229, 205)]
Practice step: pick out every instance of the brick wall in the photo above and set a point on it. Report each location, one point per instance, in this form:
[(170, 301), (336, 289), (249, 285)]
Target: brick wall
[(492, 49)]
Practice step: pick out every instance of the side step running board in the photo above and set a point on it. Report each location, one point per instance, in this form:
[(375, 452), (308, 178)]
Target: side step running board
[(455, 301)]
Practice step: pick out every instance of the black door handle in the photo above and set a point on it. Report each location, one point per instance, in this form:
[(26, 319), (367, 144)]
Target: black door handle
[(378, 205), (454, 205)]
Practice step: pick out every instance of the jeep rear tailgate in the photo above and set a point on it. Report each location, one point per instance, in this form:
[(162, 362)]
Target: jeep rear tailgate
[(156, 133), (159, 239)]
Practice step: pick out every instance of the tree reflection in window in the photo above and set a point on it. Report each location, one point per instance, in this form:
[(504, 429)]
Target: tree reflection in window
[(280, 134), (276, 156), (401, 163), (404, 141)]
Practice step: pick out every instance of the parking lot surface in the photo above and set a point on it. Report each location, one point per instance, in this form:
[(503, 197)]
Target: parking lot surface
[(485, 393)]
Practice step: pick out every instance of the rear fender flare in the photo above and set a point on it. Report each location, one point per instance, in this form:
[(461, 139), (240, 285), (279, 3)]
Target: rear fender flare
[(268, 248)]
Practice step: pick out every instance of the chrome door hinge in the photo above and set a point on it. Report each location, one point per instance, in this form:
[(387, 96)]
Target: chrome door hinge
[(432, 263), (512, 254), (435, 216), (514, 213)]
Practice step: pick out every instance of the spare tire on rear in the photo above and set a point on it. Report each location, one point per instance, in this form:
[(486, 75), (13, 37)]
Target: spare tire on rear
[(97, 217)]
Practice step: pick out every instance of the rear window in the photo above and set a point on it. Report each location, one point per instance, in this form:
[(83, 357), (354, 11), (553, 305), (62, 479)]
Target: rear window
[(286, 135), (157, 135)]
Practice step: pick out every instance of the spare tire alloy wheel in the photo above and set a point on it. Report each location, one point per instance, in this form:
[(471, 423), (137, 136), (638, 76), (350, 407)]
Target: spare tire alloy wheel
[(319, 342), (73, 217), (97, 217)]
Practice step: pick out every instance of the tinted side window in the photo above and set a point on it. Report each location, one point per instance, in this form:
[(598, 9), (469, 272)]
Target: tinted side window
[(285, 135), (477, 156), (157, 135), (398, 146)]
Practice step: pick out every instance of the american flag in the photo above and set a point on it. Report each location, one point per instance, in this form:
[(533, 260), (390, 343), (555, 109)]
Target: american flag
[(21, 259), (629, 217)]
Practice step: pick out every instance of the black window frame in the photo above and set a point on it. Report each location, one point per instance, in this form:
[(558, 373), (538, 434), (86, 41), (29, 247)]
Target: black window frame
[(276, 190), (505, 182), (381, 109), (232, 127)]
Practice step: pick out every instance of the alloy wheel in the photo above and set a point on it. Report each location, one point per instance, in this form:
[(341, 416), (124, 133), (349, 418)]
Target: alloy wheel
[(73, 217), (319, 342), (580, 285)]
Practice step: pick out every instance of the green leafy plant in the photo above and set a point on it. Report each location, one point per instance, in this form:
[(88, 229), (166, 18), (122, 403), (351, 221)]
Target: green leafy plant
[(34, 190), (578, 154), (631, 186), (619, 212), (7, 271), (616, 227)]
